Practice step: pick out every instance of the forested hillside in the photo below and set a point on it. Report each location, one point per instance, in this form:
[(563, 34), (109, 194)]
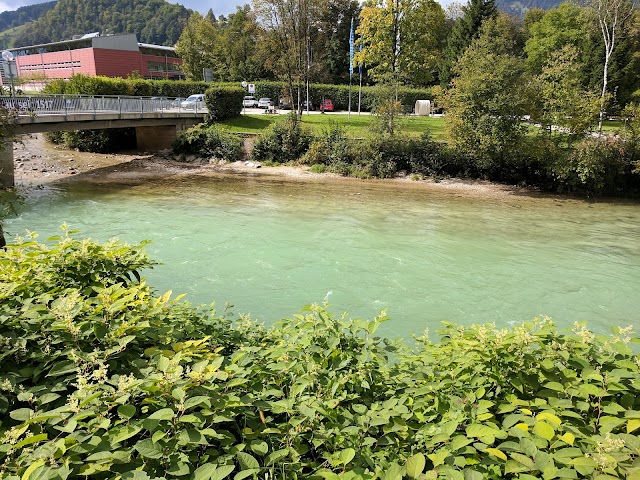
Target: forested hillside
[(154, 21), (22, 15), (11, 22), (519, 8)]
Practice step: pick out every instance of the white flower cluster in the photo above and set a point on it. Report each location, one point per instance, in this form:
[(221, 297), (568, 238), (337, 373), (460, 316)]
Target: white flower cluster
[(581, 330)]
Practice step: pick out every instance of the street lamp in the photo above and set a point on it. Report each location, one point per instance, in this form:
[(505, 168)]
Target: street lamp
[(8, 57), (244, 85)]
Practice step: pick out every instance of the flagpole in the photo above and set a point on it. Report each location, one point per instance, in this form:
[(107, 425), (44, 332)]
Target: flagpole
[(360, 91), (360, 88), (349, 116), (350, 64)]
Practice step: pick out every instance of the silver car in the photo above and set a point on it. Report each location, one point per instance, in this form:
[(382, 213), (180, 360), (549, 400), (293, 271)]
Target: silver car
[(265, 102), (193, 102), (249, 101)]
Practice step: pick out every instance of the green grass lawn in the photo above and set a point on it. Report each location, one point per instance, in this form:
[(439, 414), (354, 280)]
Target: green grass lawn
[(355, 127), (611, 126)]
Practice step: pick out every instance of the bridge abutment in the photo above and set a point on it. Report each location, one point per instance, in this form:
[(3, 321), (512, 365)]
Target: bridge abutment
[(153, 139), (7, 178)]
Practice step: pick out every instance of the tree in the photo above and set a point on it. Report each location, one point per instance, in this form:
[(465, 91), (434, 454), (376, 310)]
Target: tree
[(464, 31), (564, 25), (485, 102), (330, 40), (560, 97), (288, 25), (197, 47), (237, 40), (402, 40), (610, 15)]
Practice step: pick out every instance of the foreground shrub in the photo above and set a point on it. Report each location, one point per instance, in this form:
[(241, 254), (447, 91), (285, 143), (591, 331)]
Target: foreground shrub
[(207, 141), (282, 142), (102, 378)]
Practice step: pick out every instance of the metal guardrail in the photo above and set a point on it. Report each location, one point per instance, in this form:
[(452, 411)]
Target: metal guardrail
[(41, 105)]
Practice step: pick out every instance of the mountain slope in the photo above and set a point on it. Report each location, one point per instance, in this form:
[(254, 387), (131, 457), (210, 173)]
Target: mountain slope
[(519, 8), (22, 15), (154, 21), (11, 22)]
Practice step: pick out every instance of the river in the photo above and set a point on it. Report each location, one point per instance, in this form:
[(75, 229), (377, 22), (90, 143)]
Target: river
[(271, 246)]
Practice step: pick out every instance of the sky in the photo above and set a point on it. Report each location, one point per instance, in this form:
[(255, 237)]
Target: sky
[(220, 7)]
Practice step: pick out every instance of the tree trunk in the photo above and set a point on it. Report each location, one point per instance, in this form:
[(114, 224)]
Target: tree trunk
[(604, 91), (3, 242)]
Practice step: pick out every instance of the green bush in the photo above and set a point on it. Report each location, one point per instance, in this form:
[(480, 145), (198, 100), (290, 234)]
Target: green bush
[(87, 85), (102, 378), (333, 150), (207, 141), (282, 142), (224, 102), (339, 94), (594, 166), (100, 141), (432, 158)]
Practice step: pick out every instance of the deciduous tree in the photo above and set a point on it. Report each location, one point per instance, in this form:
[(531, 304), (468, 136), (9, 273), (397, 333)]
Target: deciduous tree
[(402, 40), (560, 97), (464, 31), (486, 102), (610, 16), (197, 46)]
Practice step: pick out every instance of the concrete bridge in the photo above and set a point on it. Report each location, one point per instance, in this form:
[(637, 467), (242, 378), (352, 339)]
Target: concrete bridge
[(157, 120)]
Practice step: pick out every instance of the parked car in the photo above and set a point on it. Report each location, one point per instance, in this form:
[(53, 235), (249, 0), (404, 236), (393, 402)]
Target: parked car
[(307, 102), (284, 103), (265, 102), (160, 103), (327, 106), (193, 102), (177, 102), (249, 101)]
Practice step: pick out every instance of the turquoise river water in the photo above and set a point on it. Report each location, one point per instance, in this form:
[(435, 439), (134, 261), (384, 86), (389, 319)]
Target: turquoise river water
[(271, 246)]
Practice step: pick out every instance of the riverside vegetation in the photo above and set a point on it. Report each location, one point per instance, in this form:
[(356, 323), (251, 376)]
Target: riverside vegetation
[(102, 377)]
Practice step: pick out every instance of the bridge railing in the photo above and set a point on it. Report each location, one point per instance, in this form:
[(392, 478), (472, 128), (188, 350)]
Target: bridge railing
[(96, 104)]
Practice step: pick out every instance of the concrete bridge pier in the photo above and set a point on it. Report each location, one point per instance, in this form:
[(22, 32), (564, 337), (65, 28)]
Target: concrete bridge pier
[(161, 137), (6, 165)]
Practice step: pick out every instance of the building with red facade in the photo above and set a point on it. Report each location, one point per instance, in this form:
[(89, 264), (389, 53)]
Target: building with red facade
[(111, 56)]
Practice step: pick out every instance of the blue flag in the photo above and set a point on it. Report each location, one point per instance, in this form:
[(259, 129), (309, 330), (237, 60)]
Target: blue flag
[(351, 49), (360, 64)]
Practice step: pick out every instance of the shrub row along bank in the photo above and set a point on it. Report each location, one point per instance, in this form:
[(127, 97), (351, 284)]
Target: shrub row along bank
[(101, 378), (593, 165)]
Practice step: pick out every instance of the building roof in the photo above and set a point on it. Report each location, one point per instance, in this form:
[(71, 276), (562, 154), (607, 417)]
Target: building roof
[(125, 41), (157, 47)]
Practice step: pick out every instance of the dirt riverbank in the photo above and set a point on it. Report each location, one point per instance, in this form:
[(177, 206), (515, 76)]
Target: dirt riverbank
[(39, 162)]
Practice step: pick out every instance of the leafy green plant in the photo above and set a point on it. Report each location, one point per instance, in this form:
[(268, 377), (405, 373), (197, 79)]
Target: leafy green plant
[(207, 141), (224, 102), (282, 142), (595, 166), (332, 150), (101, 377)]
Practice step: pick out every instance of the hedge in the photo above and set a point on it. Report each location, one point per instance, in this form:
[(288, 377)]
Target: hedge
[(224, 101), (85, 85), (339, 94)]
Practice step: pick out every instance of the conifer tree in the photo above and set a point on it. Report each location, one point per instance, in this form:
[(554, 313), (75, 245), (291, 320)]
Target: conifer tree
[(464, 31)]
